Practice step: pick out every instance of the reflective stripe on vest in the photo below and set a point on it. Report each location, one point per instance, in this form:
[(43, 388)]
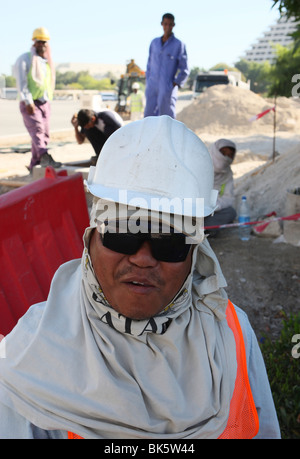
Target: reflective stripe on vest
[(243, 419)]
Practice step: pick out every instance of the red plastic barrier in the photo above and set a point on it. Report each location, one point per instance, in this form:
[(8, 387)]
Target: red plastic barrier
[(41, 227)]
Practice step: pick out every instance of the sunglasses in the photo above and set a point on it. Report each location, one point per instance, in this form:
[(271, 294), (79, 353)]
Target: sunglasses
[(164, 247)]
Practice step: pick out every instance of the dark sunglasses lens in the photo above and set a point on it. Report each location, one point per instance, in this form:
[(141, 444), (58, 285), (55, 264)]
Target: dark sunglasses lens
[(171, 249), (121, 242)]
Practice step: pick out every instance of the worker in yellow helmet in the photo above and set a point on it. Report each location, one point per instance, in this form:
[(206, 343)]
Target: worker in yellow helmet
[(35, 75)]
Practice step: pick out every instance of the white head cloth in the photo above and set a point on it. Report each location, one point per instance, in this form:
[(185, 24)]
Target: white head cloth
[(221, 163)]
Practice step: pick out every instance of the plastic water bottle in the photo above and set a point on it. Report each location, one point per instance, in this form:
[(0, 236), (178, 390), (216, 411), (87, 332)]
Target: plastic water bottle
[(244, 216)]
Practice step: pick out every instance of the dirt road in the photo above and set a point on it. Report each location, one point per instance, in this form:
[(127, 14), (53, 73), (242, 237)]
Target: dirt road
[(263, 278)]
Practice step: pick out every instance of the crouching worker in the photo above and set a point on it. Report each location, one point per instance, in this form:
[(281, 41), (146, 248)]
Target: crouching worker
[(223, 153), (138, 340), (96, 127)]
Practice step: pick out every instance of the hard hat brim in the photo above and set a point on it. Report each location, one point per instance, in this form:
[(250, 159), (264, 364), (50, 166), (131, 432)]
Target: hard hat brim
[(152, 202)]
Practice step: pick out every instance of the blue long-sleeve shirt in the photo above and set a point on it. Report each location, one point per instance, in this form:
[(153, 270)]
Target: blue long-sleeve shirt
[(167, 63)]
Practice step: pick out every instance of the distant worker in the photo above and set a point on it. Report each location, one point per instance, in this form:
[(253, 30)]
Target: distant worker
[(35, 75), (223, 153), (167, 69), (136, 103), (96, 127)]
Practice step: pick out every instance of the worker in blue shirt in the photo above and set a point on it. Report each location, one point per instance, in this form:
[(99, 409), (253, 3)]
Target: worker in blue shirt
[(167, 69)]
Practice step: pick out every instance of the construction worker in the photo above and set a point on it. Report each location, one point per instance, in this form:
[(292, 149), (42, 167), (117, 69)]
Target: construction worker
[(138, 340), (167, 70), (136, 102), (223, 152), (35, 75), (96, 127)]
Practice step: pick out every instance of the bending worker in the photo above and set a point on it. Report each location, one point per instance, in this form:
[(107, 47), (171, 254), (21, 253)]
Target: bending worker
[(138, 339), (167, 69), (96, 127), (223, 152), (35, 75)]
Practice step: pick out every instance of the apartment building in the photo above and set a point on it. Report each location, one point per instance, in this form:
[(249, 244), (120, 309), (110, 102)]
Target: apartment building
[(278, 33)]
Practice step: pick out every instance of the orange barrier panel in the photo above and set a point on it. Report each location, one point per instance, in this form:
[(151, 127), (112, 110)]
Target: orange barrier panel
[(41, 227)]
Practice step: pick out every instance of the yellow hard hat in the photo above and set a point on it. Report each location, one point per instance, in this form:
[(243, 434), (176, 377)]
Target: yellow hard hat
[(41, 34)]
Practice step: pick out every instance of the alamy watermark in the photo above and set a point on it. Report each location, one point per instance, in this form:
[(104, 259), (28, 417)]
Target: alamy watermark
[(2, 347), (155, 215), (296, 88), (296, 349)]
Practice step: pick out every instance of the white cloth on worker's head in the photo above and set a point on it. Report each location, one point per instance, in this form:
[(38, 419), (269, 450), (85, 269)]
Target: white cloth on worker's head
[(223, 177), (73, 363)]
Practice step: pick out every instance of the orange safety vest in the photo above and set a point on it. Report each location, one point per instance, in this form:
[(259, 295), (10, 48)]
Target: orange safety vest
[(243, 419)]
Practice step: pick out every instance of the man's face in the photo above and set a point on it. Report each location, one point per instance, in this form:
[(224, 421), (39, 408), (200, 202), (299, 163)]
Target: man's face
[(137, 286), (167, 25), (40, 47), (227, 151), (91, 123)]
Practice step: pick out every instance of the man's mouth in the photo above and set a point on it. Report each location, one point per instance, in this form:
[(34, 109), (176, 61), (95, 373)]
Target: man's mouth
[(139, 285)]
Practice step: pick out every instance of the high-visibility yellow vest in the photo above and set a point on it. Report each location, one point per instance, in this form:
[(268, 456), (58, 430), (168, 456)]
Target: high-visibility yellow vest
[(37, 91), (136, 102)]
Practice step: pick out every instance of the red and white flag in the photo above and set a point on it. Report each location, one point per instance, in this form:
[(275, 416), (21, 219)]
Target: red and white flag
[(260, 115)]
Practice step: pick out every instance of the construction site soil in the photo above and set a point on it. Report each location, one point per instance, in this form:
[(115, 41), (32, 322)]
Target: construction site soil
[(263, 278), (263, 274)]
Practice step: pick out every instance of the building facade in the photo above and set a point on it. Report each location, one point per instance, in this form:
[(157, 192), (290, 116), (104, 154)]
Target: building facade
[(263, 49)]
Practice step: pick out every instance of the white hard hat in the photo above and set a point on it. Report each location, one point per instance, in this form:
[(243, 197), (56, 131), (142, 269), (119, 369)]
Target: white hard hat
[(135, 86), (153, 159)]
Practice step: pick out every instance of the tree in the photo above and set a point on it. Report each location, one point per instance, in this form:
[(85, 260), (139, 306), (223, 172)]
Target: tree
[(258, 74), (88, 82), (64, 79), (81, 80), (10, 82), (223, 66), (286, 67), (291, 9)]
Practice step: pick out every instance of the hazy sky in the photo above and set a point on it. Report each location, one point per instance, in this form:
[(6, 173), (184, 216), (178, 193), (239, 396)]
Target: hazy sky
[(112, 32)]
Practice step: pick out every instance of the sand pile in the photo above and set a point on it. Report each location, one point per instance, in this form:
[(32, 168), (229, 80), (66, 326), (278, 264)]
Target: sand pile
[(266, 187), (226, 110)]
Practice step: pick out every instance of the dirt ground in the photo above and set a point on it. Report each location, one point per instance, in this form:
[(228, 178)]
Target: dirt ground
[(263, 278)]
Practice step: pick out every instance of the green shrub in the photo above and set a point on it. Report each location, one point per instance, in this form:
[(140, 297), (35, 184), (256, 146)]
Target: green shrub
[(283, 370)]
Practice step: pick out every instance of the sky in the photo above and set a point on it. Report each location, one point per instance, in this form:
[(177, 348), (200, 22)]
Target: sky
[(113, 32)]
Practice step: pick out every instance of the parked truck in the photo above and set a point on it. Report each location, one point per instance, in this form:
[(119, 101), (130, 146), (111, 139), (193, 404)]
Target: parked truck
[(205, 80)]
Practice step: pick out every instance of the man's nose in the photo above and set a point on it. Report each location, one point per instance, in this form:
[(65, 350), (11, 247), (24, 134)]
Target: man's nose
[(143, 257)]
